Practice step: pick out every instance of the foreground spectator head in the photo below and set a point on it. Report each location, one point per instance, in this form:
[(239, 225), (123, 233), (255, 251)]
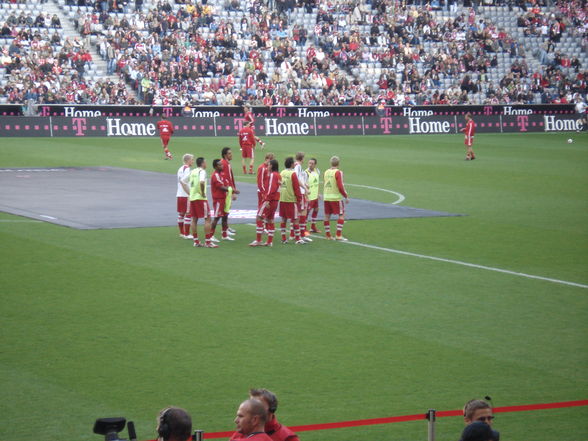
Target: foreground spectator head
[(251, 417), (174, 424), (477, 431), (478, 411)]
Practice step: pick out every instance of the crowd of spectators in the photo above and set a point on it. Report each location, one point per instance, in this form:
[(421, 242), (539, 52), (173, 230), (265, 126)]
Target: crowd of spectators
[(355, 53)]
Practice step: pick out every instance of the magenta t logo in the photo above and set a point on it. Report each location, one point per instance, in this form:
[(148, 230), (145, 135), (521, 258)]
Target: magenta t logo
[(386, 125), (388, 111), (79, 126), (487, 110), (167, 111), (281, 112), (239, 122), (45, 111), (523, 122)]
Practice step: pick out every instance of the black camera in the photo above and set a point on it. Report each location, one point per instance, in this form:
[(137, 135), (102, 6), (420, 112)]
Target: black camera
[(110, 427)]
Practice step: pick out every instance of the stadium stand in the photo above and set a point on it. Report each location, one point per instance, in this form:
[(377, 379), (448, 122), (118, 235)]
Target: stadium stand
[(286, 52)]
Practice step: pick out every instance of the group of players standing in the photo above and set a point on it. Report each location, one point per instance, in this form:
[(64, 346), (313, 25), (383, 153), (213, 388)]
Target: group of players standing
[(293, 193)]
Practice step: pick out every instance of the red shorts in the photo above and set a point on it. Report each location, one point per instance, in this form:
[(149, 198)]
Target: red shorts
[(218, 208), (334, 207), (267, 210), (199, 209), (313, 205), (165, 139), (247, 151), (183, 204), (302, 203), (289, 210), (469, 141)]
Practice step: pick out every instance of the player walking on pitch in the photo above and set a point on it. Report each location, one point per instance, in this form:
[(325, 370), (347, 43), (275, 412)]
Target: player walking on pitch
[(313, 174), (250, 118), (247, 142), (267, 210), (182, 195), (199, 203), (469, 130), (334, 194), (166, 130), (289, 199)]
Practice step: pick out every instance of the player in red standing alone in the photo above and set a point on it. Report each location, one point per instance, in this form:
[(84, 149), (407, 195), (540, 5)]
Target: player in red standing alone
[(247, 142), (166, 130), (469, 130), (250, 118)]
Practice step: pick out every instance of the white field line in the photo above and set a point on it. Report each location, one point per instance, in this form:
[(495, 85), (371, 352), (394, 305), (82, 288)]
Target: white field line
[(401, 197), (19, 221), (459, 262), (456, 262)]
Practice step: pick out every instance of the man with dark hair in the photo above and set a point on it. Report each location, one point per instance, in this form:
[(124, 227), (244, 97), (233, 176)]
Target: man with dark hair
[(275, 430), (478, 431), (267, 210), (166, 130), (227, 173), (222, 192), (250, 420), (469, 130), (174, 424), (479, 411)]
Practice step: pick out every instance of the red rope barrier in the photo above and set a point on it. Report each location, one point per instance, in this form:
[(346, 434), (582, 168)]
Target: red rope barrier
[(420, 416)]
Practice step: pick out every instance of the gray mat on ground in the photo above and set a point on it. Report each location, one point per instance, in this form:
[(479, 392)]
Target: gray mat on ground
[(110, 197)]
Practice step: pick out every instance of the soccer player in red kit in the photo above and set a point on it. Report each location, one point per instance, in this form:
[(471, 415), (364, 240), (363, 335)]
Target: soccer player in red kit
[(469, 130), (262, 175), (182, 194), (250, 118), (166, 130), (333, 194), (247, 142), (219, 188), (227, 173), (267, 210), (290, 198)]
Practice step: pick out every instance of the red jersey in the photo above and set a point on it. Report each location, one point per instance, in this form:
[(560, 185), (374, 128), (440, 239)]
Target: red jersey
[(217, 180), (262, 174), (340, 185), (249, 118), (279, 432), (470, 128), (165, 127), (272, 187), (247, 137), (227, 173), (256, 436)]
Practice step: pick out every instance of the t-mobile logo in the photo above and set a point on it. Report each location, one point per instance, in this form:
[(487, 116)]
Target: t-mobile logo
[(239, 122), (487, 110), (523, 122), (281, 112), (45, 111), (386, 125), (79, 126), (167, 111)]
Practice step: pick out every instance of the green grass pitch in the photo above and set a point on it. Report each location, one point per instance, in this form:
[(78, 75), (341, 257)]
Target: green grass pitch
[(125, 322)]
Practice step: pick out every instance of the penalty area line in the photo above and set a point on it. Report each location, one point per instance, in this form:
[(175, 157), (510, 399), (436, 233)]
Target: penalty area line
[(459, 262)]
